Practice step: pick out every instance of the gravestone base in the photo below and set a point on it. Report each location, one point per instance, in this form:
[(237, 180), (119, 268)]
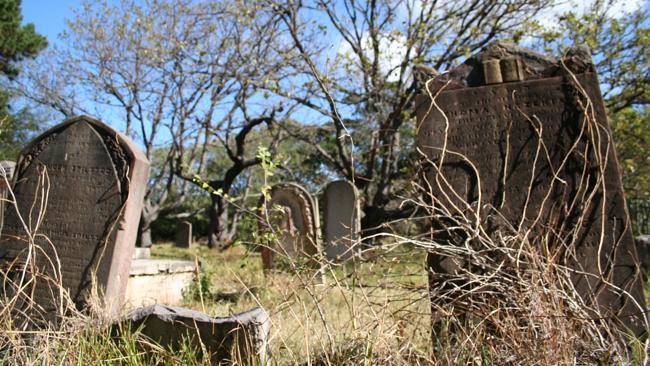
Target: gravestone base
[(142, 253), (158, 281)]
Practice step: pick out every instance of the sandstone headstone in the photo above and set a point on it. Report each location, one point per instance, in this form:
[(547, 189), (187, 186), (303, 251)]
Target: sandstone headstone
[(184, 234), (341, 222), (79, 187), (290, 218), (241, 337), (521, 155)]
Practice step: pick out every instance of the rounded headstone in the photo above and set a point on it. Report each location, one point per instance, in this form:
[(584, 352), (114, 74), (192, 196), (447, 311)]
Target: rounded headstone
[(290, 215), (342, 224)]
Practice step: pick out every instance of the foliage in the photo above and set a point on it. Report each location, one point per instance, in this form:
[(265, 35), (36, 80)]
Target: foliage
[(632, 137), (619, 43), (17, 43)]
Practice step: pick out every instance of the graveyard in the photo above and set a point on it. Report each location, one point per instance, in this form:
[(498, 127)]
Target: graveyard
[(204, 183)]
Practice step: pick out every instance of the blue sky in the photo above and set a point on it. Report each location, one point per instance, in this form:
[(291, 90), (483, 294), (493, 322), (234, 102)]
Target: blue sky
[(48, 15)]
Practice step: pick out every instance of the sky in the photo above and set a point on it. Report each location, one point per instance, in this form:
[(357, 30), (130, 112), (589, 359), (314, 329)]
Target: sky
[(48, 15)]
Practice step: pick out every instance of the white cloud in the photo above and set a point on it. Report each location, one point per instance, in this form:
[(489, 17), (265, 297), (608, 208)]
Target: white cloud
[(392, 48), (617, 9)]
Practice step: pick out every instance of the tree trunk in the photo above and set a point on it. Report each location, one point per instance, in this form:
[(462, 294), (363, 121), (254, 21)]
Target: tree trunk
[(219, 237)]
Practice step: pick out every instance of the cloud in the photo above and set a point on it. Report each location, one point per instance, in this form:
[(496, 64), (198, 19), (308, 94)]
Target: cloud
[(392, 48), (616, 9)]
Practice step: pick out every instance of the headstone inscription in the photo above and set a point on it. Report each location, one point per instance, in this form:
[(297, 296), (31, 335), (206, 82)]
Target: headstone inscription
[(79, 189), (184, 234), (341, 222), (518, 142), (289, 222)]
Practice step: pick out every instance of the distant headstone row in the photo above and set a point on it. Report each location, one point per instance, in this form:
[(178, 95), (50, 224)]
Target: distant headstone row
[(520, 142), (290, 223)]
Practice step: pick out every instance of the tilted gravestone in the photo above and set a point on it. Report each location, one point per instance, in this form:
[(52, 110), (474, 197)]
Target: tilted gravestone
[(341, 224), (289, 224), (184, 234), (79, 189), (517, 142), (238, 339)]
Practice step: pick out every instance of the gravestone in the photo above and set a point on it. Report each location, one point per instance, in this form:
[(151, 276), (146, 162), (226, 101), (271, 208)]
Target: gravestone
[(508, 148), (341, 222), (290, 218), (184, 234), (79, 188), (6, 177)]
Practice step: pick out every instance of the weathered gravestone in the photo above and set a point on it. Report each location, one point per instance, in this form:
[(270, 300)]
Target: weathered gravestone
[(184, 234), (290, 222), (341, 223), (532, 152), (79, 189)]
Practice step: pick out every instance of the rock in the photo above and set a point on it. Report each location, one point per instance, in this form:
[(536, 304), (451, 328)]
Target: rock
[(242, 336)]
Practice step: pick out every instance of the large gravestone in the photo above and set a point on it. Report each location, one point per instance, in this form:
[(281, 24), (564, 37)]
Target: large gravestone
[(341, 222), (517, 142), (79, 189), (289, 223)]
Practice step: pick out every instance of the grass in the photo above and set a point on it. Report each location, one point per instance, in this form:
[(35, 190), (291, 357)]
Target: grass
[(358, 311), (371, 312)]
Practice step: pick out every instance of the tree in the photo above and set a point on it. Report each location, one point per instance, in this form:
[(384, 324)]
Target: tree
[(353, 64), (17, 43), (175, 74), (619, 43)]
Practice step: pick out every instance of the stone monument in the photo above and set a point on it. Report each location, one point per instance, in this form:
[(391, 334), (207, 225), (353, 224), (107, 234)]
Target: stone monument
[(79, 189), (516, 142), (290, 218), (341, 224), (184, 234)]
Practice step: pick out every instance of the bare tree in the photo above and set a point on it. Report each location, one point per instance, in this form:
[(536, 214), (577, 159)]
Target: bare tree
[(173, 73), (353, 63)]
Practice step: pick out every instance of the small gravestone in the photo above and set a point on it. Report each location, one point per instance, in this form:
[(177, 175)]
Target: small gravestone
[(342, 223), (518, 142), (6, 175), (79, 189), (289, 223), (643, 249), (184, 234)]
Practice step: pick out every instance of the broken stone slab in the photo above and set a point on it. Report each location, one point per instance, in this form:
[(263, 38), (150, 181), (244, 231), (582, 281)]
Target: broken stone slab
[(241, 337)]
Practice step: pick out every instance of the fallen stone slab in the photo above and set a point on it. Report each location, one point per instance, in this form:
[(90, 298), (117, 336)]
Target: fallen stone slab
[(241, 337)]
